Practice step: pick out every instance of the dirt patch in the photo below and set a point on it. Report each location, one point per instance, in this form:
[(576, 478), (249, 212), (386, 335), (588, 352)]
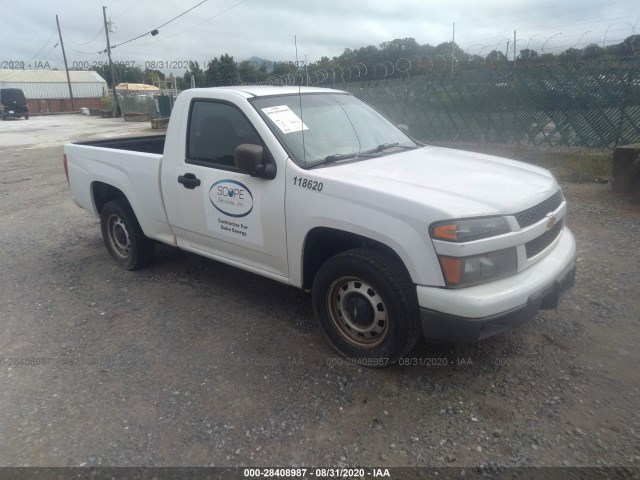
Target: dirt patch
[(191, 362)]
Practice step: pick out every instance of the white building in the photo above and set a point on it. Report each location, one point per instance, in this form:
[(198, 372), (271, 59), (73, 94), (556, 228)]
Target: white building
[(48, 90)]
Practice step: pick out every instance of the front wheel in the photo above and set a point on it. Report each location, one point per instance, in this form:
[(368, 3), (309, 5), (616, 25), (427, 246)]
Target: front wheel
[(367, 306), (123, 237)]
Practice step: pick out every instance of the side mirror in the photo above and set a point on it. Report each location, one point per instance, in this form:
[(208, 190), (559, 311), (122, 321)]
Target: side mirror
[(249, 159), (404, 128)]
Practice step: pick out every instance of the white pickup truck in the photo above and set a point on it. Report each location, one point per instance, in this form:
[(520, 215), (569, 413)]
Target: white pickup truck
[(316, 189)]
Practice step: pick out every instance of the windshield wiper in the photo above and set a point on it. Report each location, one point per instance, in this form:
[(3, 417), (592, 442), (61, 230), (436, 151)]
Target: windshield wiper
[(383, 146), (336, 157)]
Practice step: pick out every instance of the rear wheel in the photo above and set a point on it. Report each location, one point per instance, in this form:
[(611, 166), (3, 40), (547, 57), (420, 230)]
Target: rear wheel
[(367, 306), (123, 237)]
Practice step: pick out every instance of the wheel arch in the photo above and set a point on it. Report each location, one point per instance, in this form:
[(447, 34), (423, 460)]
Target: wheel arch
[(101, 193), (322, 243)]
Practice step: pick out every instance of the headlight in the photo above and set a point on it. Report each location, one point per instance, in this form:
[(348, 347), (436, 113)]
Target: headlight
[(467, 271), (481, 268), (469, 230)]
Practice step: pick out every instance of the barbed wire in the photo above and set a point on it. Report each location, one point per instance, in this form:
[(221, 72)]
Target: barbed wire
[(407, 67)]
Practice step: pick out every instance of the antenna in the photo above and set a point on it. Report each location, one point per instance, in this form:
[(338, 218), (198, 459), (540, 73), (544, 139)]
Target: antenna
[(304, 151)]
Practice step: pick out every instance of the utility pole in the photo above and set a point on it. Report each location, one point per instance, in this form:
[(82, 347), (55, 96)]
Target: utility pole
[(66, 67), (453, 43), (514, 49), (116, 107)]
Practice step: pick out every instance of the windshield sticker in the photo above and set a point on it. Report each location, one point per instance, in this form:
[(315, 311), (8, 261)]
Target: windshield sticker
[(286, 120)]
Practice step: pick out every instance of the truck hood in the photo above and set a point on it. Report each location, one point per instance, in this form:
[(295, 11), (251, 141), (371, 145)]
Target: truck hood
[(456, 182)]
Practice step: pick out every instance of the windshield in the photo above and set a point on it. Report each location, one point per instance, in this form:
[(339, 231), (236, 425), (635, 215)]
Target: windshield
[(323, 128)]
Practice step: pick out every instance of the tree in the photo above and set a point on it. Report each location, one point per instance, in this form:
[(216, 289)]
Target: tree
[(368, 55), (154, 77), (633, 45), (124, 73), (571, 55), (284, 68), (398, 48), (195, 73), (496, 57), (221, 71), (592, 52), (527, 55), (248, 72)]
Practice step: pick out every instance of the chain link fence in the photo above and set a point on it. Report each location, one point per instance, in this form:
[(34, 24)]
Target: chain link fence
[(155, 104), (591, 105)]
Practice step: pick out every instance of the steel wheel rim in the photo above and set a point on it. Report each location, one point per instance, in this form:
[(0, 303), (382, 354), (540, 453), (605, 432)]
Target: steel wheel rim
[(119, 236), (358, 312)]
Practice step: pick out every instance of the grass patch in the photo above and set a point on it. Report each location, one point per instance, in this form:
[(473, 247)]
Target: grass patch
[(584, 167), (568, 164)]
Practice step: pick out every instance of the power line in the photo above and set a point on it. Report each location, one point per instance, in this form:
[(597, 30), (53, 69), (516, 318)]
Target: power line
[(84, 53), (538, 27), (158, 27), (48, 51), (529, 26), (128, 10), (42, 47), (86, 43), (194, 26), (516, 13), (583, 21)]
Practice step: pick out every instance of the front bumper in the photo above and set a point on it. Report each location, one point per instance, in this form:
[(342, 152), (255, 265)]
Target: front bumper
[(470, 314)]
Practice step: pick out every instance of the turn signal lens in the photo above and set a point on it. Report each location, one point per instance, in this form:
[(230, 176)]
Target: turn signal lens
[(467, 271), (452, 269), (447, 231), (470, 230)]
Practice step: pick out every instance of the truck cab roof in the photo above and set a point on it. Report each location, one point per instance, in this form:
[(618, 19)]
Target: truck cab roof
[(249, 91)]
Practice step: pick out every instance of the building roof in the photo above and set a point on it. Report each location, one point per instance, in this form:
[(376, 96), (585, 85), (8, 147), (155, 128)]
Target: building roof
[(47, 84), (136, 86), (49, 76)]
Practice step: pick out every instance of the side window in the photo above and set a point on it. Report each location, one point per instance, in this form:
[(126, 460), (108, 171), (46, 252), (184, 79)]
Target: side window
[(215, 130)]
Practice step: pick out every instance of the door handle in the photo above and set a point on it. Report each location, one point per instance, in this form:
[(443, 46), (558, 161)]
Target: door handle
[(189, 181)]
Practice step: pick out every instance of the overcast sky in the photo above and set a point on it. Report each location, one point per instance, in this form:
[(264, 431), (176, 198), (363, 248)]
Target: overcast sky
[(266, 29)]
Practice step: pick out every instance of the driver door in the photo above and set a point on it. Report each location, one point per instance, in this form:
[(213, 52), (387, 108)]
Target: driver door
[(216, 209)]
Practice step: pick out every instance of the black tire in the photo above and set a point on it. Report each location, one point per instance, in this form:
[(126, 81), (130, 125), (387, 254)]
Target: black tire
[(123, 237), (384, 322), (26, 117)]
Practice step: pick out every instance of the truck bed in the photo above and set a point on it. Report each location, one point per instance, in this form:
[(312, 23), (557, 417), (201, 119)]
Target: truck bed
[(146, 144), (130, 165)]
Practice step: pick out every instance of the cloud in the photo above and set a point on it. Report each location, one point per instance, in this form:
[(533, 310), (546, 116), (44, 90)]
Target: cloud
[(322, 28)]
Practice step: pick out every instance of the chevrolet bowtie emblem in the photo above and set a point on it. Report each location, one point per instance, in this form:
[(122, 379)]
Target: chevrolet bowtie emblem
[(551, 220)]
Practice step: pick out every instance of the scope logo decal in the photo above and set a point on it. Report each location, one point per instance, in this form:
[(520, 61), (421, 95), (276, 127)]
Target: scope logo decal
[(231, 198)]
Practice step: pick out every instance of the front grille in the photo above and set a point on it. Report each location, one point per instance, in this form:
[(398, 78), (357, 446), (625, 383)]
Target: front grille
[(538, 244), (534, 214)]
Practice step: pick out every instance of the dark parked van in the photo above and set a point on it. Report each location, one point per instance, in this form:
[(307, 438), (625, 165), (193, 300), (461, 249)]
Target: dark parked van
[(13, 103)]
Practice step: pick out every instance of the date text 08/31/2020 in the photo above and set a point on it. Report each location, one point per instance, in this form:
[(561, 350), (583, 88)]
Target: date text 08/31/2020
[(154, 64)]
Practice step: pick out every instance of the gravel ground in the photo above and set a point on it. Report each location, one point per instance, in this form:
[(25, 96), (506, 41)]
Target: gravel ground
[(192, 362)]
